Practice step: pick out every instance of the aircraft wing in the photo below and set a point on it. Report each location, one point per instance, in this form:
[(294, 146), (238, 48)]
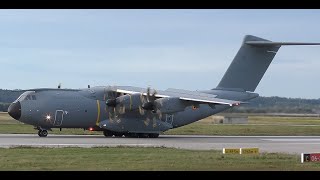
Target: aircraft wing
[(182, 94)]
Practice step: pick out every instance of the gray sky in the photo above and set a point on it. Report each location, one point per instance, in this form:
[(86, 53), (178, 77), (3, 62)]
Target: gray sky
[(188, 49)]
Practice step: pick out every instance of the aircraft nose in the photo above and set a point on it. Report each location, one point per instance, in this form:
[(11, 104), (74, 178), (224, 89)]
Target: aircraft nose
[(14, 110)]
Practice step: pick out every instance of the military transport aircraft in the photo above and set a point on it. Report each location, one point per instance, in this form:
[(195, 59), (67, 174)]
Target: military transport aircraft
[(145, 112)]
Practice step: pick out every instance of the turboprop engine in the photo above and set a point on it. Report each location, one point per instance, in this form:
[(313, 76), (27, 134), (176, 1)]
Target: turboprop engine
[(125, 102)]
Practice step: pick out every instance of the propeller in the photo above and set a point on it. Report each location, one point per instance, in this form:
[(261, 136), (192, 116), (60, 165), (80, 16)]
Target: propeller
[(147, 101), (113, 107), (148, 107)]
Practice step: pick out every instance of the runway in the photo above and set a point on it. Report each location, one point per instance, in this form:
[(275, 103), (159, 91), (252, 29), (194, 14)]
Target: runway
[(285, 144)]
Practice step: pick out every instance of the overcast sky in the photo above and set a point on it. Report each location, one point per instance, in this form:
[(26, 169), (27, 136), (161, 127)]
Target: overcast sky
[(188, 49)]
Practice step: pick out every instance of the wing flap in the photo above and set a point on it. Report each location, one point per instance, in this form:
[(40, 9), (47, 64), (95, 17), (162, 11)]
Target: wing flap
[(213, 101)]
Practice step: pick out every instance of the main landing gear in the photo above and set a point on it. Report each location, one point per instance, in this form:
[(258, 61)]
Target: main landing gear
[(143, 135), (43, 133), (107, 133)]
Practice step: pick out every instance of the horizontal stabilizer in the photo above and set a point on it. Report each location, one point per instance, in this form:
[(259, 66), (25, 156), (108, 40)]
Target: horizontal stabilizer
[(270, 43)]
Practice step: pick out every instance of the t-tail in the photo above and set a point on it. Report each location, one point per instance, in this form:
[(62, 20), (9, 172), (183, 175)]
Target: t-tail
[(251, 62)]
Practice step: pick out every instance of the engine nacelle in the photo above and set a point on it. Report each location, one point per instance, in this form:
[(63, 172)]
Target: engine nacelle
[(130, 102), (170, 105)]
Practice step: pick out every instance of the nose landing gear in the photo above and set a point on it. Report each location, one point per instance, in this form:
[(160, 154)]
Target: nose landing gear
[(43, 133)]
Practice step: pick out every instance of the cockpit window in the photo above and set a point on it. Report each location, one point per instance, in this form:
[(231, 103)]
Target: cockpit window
[(26, 96)]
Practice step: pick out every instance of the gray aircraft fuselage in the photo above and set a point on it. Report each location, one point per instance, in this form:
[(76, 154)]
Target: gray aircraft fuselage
[(86, 108)]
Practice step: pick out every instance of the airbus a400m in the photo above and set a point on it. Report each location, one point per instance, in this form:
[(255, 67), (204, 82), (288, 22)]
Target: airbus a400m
[(145, 112)]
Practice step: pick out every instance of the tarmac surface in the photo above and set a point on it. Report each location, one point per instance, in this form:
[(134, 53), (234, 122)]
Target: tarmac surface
[(285, 144)]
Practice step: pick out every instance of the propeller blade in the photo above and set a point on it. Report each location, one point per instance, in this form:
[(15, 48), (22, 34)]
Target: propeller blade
[(112, 95), (142, 99), (154, 95), (148, 94), (141, 110), (159, 114), (122, 109), (147, 121), (113, 115), (118, 120), (149, 104), (110, 117), (154, 122)]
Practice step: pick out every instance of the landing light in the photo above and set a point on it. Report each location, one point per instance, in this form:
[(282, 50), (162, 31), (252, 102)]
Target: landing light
[(91, 129), (48, 117)]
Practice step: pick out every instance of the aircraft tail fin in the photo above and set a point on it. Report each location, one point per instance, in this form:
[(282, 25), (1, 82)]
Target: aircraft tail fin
[(251, 62)]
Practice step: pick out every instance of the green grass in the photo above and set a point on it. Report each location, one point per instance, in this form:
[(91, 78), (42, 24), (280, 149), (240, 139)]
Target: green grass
[(9, 125), (284, 120), (154, 159), (28, 129), (195, 128), (246, 130), (6, 119), (257, 125)]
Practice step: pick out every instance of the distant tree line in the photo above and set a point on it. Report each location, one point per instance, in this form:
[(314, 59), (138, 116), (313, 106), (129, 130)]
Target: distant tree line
[(279, 105), (8, 96), (4, 107)]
